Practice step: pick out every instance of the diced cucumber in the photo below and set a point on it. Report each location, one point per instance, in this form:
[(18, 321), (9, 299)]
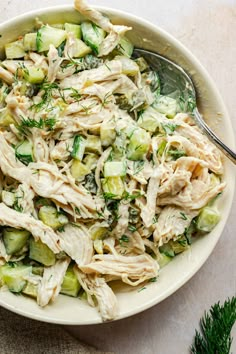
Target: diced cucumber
[(114, 168), (149, 119), (14, 239), (107, 133), (125, 47), (207, 219), (6, 118), (78, 147), (30, 42), (38, 270), (167, 250), (81, 49), (179, 246), (139, 145), (13, 277), (70, 285), (166, 105), (8, 198), (30, 290), (92, 35), (91, 160), (163, 260), (43, 202), (79, 170), (75, 29), (98, 246), (113, 187), (34, 75), (98, 232), (41, 253), (15, 50), (93, 144), (129, 67), (47, 35), (24, 152), (51, 217)]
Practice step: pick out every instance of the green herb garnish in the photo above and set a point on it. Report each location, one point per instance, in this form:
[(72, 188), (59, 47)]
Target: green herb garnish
[(215, 329)]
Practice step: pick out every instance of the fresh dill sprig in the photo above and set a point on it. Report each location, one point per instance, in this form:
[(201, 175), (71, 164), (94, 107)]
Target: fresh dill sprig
[(216, 325), (46, 98), (33, 123)]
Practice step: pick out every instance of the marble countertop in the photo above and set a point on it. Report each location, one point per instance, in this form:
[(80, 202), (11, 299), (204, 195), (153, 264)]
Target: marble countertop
[(207, 28)]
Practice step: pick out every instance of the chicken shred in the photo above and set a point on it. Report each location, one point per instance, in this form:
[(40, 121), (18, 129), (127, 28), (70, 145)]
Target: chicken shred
[(96, 286), (50, 285)]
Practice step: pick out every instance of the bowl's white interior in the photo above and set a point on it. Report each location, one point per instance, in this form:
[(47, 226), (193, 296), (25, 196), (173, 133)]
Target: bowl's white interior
[(68, 310)]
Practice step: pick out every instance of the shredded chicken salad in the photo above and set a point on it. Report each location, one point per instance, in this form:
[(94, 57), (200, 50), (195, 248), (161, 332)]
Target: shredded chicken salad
[(103, 178)]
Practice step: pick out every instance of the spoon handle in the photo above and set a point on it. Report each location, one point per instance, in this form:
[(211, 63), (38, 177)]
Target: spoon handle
[(214, 139)]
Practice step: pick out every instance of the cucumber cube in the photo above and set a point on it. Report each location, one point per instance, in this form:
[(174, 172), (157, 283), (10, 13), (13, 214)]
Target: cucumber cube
[(124, 47), (114, 168), (78, 148), (139, 145), (92, 35), (6, 118), (30, 290), (30, 42), (24, 152), (81, 49), (34, 75), (15, 50), (129, 67), (14, 239), (166, 105), (163, 260), (47, 35), (107, 134), (41, 253), (70, 285), (149, 119), (79, 170), (93, 144), (207, 219), (91, 160), (51, 217), (113, 187), (73, 28), (13, 277)]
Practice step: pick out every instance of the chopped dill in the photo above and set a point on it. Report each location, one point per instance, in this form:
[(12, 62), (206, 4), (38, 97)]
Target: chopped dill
[(183, 216)]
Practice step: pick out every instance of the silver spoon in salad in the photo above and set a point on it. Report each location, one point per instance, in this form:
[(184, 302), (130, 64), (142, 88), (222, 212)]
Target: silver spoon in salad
[(173, 76)]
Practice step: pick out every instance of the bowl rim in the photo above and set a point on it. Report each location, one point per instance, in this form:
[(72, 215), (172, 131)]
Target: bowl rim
[(188, 54)]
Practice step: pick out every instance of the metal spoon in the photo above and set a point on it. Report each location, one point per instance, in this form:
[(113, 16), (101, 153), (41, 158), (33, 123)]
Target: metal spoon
[(176, 83)]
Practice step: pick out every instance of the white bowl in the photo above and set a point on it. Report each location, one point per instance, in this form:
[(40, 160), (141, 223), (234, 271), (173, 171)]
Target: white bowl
[(66, 310)]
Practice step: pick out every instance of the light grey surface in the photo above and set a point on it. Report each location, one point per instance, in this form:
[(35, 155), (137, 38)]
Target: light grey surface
[(208, 29)]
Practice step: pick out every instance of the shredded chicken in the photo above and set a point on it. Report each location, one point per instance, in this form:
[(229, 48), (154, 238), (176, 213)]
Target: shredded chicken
[(6, 76), (50, 285), (76, 242), (172, 222), (132, 270), (148, 211), (54, 62), (96, 286), (10, 217)]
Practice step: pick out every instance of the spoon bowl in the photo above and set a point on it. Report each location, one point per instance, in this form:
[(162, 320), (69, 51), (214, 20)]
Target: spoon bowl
[(176, 83)]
